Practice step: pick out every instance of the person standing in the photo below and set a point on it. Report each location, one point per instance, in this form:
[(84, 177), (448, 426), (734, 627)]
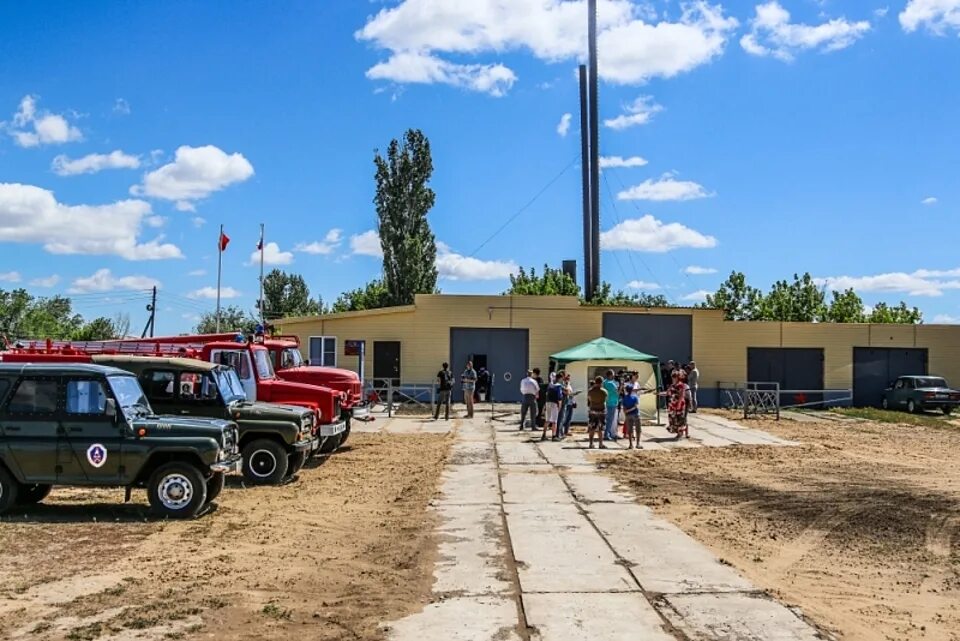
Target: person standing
[(566, 416), (554, 395), (693, 380), (444, 387), (469, 381), (529, 389), (541, 396), (631, 415), (596, 411), (677, 406), (613, 402)]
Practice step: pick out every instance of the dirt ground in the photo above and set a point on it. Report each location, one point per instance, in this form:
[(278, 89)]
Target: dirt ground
[(344, 547), (860, 527)]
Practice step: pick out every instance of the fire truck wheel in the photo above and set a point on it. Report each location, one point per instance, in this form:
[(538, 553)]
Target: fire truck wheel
[(330, 445), (346, 432)]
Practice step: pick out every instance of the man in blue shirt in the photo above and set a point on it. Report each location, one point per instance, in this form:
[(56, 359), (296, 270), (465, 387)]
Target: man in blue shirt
[(613, 401)]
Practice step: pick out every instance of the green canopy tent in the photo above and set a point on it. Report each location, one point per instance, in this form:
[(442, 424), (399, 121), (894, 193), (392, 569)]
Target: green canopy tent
[(587, 360)]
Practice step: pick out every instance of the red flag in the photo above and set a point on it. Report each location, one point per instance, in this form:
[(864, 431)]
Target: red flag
[(224, 241)]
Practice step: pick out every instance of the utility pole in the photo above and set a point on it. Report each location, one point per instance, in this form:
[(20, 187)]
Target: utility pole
[(585, 166), (594, 146), (152, 308)]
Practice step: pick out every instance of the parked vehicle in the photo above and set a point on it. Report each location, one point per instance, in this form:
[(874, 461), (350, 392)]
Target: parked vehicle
[(89, 425), (917, 393)]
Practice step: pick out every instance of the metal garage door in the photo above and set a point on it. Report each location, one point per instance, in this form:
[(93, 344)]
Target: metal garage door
[(794, 368), (666, 336), (875, 367), (504, 352)]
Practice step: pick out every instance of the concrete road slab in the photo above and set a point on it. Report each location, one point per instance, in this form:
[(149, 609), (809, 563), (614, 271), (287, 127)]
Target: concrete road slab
[(566, 453), (470, 485), (596, 488), (512, 453), (663, 558), (471, 452), (472, 554), (437, 427), (557, 550), (460, 619), (743, 617), (533, 487), (592, 617)]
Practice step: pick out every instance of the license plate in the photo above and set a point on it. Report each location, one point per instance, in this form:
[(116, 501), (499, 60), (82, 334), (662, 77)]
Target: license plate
[(333, 429)]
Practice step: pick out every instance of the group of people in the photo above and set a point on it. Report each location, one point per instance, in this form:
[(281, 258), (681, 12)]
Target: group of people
[(476, 386)]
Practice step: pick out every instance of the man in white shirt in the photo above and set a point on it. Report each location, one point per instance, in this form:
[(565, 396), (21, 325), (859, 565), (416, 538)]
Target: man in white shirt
[(529, 388)]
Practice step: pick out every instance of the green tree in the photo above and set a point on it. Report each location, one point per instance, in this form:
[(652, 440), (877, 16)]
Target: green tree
[(738, 300), (403, 200), (99, 329), (800, 301), (25, 316), (373, 295), (232, 318), (553, 282), (288, 295), (606, 297), (883, 313), (845, 307)]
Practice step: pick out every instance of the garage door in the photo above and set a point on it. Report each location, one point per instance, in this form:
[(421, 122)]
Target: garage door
[(875, 367), (504, 352), (794, 368), (666, 336)]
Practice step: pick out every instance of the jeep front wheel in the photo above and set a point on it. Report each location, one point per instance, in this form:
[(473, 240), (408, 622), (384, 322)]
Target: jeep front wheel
[(9, 489), (177, 491), (33, 494), (215, 485), (265, 462)]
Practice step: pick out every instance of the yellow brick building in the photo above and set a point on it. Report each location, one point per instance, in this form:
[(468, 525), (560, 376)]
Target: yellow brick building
[(509, 333)]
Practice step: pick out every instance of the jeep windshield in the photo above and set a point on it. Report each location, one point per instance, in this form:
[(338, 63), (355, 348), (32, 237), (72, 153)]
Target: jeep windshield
[(231, 389), (130, 396)]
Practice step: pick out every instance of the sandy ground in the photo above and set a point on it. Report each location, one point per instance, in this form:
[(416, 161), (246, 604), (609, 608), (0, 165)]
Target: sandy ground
[(860, 527), (344, 547)]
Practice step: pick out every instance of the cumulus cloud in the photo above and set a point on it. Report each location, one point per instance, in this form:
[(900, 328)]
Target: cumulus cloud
[(327, 246), (271, 255), (936, 16), (922, 282), (47, 281), (634, 46), (946, 319), (366, 244), (454, 266), (93, 163), (930, 200), (772, 34), (564, 127), (638, 112), (121, 107), (32, 128), (197, 272), (664, 189), (694, 270), (194, 174), (643, 285), (10, 277), (30, 214), (210, 293), (698, 296), (611, 162), (103, 280), (647, 234)]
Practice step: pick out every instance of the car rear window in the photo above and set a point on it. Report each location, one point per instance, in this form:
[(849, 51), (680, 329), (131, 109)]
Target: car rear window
[(931, 382)]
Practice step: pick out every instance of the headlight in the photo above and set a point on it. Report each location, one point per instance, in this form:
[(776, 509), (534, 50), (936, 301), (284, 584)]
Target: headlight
[(306, 425)]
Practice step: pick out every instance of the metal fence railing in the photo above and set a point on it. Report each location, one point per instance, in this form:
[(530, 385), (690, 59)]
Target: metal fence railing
[(760, 397)]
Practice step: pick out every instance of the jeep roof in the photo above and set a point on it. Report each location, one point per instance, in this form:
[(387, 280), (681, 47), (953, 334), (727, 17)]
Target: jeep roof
[(187, 364), (59, 368)]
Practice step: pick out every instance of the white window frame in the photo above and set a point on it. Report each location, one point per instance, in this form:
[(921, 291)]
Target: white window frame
[(323, 340)]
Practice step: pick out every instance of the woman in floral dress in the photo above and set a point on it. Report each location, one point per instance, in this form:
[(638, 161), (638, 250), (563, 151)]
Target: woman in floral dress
[(677, 405)]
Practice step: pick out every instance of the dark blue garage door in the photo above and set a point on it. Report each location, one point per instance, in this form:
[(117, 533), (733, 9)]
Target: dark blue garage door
[(795, 368), (504, 352), (875, 367), (666, 336)]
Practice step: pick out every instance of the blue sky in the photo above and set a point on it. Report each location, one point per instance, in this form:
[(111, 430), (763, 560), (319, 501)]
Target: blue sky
[(769, 138)]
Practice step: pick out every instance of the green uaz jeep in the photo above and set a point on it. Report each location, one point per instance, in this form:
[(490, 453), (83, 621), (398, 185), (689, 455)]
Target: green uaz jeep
[(274, 439), (90, 425)]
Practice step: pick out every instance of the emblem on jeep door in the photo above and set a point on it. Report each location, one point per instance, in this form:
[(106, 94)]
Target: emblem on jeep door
[(97, 455)]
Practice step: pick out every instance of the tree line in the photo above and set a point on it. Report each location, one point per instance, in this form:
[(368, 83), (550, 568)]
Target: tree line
[(24, 316)]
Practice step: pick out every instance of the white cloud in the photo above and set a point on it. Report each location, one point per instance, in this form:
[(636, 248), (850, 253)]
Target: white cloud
[(937, 16), (666, 188), (643, 285), (946, 319), (93, 163), (698, 296), (929, 201), (210, 293), (647, 234), (638, 112), (922, 282), (694, 270), (155, 221), (881, 12), (610, 162), (564, 127), (194, 174), (772, 34), (30, 214), (330, 242), (453, 266), (197, 272), (121, 107), (633, 46), (31, 128), (423, 68), (103, 280), (271, 255), (48, 281), (10, 277), (366, 244), (198, 221)]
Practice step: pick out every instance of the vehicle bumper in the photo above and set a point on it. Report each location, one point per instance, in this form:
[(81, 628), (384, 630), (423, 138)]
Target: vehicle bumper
[(332, 429), (306, 445), (360, 412), (938, 402), (232, 465)]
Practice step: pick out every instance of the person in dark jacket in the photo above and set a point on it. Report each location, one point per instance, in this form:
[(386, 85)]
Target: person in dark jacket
[(444, 387), (541, 397)]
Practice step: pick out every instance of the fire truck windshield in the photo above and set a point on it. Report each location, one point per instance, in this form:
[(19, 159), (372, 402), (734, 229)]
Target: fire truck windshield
[(261, 358), (291, 358)]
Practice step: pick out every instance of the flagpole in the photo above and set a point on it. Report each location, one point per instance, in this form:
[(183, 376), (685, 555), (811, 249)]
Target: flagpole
[(261, 276), (219, 270)]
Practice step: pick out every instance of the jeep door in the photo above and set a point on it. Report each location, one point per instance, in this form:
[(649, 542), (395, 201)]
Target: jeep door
[(94, 436), (30, 424), (198, 395)]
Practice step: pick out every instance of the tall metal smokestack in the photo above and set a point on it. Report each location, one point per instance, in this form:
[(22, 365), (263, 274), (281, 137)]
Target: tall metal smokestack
[(585, 162), (594, 148)]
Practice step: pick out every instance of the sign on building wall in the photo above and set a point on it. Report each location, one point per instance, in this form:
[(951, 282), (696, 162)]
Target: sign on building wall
[(353, 348)]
